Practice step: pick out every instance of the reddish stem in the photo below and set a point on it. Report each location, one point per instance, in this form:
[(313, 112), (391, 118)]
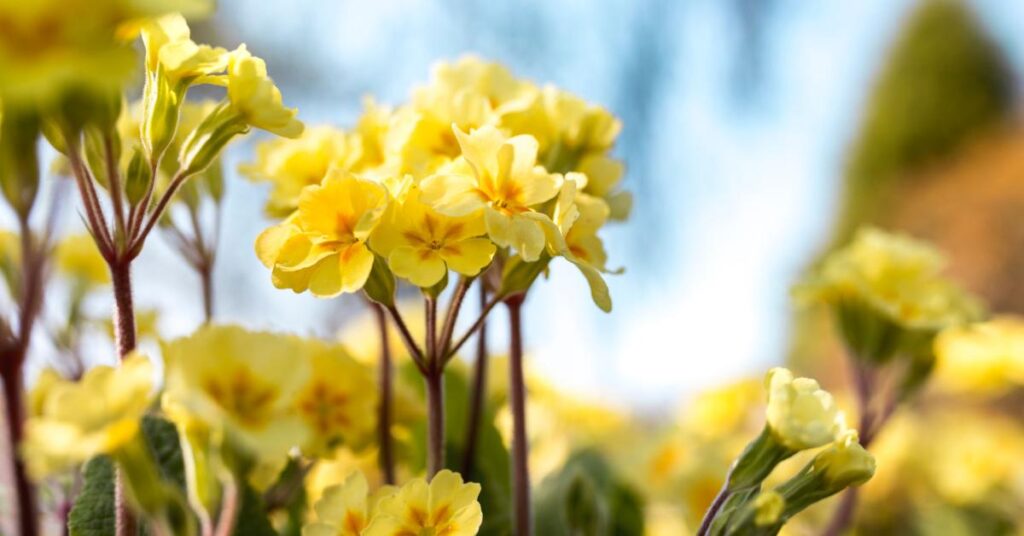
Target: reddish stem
[(387, 460), (477, 394), (517, 404)]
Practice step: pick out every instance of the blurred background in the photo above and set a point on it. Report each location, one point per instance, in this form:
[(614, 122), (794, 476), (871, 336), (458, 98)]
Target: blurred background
[(758, 135)]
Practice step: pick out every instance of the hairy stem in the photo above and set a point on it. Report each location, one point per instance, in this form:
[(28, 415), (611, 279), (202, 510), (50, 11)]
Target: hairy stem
[(205, 271), (386, 457), (435, 423), (478, 392), (25, 495), (517, 404), (124, 340), (448, 330)]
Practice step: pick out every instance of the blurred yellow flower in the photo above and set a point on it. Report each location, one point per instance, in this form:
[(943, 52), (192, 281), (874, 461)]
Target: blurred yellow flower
[(725, 411), (240, 384), (503, 180), (894, 275), (255, 98), (800, 414), (322, 247), (984, 357), (78, 259), (50, 46), (421, 244), (444, 506), (292, 164), (73, 421), (345, 509), (337, 403)]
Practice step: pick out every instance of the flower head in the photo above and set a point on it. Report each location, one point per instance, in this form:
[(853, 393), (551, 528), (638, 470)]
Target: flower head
[(239, 384), (322, 247), (171, 51), (292, 164), (255, 98), (500, 177), (73, 421), (421, 244), (444, 506), (800, 414), (345, 509), (338, 399), (983, 357)]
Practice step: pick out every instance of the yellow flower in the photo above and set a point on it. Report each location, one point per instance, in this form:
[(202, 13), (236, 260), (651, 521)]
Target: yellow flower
[(78, 258), (845, 462), (800, 414), (445, 506), (503, 181), (322, 247), (255, 98), (895, 276), (74, 421), (469, 94), (345, 509), (725, 411), (984, 357), (50, 46), (337, 403), (239, 384), (421, 244), (171, 52), (291, 165)]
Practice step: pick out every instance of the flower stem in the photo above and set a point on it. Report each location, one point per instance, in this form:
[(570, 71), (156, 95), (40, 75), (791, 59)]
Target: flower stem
[(435, 423), (517, 403), (124, 337), (13, 402), (716, 505), (206, 280), (477, 394), (386, 458)]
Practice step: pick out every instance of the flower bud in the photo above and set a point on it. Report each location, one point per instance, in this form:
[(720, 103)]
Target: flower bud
[(19, 160), (800, 414), (845, 463), (207, 141), (768, 507)]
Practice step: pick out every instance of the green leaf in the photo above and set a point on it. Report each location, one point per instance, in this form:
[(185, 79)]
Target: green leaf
[(252, 516), (585, 497), (93, 511)]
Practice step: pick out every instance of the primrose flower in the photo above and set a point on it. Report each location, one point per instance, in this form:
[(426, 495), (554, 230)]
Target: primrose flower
[(445, 506), (800, 414), (255, 98), (322, 247), (345, 509), (170, 52), (983, 357), (421, 244), (78, 259), (845, 462), (239, 384), (504, 181), (337, 402), (72, 422), (292, 164), (893, 275)]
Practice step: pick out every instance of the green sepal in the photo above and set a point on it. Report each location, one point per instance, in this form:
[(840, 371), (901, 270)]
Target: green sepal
[(518, 275), (380, 285)]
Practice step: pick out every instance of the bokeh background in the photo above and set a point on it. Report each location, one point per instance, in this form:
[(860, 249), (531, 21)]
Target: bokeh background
[(758, 134)]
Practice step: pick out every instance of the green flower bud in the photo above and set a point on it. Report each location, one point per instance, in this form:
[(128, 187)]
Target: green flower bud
[(207, 141), (801, 414), (768, 507), (845, 463), (19, 159)]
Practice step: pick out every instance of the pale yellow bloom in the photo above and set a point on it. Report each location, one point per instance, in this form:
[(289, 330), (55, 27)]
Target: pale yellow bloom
[(894, 275), (800, 414), (723, 411), (292, 164), (345, 509), (337, 403), (255, 98), (845, 462), (421, 244), (336, 467), (239, 384), (171, 52), (983, 357), (322, 247), (78, 258), (444, 506), (500, 177), (74, 421)]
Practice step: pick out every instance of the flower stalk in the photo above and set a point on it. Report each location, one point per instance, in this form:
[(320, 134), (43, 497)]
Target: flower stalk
[(517, 404)]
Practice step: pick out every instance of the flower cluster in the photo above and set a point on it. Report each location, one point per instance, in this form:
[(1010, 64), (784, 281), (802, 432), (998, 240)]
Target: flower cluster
[(479, 167)]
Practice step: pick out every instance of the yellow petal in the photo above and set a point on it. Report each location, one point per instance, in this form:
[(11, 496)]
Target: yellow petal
[(452, 194), (421, 266), (468, 257)]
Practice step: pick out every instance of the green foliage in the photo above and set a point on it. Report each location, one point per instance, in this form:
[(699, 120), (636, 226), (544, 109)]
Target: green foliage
[(93, 512), (162, 439), (943, 83), (586, 498), (252, 517)]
